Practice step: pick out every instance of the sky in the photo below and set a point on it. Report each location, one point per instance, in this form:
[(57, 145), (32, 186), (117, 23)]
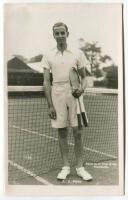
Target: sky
[(28, 27)]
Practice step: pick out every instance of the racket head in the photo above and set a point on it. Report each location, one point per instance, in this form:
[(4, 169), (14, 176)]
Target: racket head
[(74, 79)]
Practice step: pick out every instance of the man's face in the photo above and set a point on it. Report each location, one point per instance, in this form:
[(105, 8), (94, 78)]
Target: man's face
[(60, 34)]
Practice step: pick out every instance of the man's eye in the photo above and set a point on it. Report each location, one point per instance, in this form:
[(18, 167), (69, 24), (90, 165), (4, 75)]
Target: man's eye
[(57, 33), (63, 33)]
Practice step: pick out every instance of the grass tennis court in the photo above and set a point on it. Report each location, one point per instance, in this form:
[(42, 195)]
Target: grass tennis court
[(33, 149)]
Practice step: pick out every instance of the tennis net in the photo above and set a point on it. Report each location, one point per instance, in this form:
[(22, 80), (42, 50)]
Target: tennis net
[(33, 145)]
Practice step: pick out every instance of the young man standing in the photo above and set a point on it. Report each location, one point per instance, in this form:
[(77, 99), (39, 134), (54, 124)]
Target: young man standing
[(62, 104)]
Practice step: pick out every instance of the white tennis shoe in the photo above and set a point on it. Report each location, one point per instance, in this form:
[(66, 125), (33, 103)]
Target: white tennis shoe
[(83, 174), (64, 173)]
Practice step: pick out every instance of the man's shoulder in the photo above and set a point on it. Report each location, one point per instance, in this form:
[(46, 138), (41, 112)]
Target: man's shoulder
[(77, 52)]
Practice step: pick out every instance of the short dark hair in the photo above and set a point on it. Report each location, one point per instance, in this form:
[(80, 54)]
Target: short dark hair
[(60, 24)]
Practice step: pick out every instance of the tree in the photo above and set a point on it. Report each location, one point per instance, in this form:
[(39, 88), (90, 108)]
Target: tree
[(92, 52), (103, 69), (112, 76), (104, 58)]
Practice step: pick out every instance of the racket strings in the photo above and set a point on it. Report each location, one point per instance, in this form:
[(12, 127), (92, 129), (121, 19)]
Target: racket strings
[(74, 79)]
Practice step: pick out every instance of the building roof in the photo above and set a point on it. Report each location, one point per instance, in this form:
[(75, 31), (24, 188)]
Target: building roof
[(36, 66), (17, 65)]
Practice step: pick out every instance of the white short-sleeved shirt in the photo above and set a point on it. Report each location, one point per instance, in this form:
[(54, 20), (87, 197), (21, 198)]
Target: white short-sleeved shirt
[(60, 65)]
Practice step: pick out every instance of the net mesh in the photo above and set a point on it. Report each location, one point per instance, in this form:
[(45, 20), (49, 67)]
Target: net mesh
[(33, 145)]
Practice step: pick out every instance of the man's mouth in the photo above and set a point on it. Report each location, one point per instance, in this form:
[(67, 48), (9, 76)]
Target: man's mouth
[(60, 40)]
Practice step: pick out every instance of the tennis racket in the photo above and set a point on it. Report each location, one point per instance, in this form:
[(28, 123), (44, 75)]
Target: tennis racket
[(76, 85)]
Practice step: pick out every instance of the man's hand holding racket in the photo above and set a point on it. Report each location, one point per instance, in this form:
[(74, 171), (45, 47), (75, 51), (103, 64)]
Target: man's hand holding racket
[(52, 112), (77, 92)]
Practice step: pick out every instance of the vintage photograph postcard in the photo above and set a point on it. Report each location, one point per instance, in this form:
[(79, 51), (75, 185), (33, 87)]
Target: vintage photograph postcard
[(64, 99)]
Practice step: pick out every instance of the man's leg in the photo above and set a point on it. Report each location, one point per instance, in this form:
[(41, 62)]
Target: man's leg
[(63, 143), (78, 146), (79, 154), (65, 171)]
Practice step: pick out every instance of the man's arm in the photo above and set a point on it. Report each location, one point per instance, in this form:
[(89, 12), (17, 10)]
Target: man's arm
[(47, 90), (82, 74), (81, 64), (77, 93)]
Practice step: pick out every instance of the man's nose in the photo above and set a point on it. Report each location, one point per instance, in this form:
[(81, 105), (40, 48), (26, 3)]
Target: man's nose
[(60, 35)]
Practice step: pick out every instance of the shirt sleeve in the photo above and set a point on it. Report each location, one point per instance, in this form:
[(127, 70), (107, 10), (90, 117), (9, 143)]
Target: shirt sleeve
[(82, 61), (45, 64)]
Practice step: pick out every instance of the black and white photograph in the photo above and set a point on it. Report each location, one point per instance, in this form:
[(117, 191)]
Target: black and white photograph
[(64, 94)]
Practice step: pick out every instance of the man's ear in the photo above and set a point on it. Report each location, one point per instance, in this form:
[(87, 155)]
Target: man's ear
[(67, 34)]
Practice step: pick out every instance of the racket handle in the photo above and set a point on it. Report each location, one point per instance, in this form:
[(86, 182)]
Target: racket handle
[(83, 112), (79, 117)]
